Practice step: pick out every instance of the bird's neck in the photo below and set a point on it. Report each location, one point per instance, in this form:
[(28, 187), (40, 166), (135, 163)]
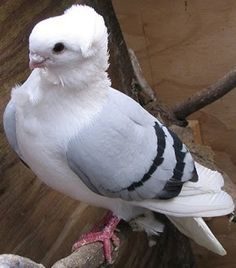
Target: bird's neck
[(77, 78), (78, 86), (45, 89)]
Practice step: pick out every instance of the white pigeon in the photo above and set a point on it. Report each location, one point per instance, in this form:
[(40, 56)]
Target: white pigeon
[(95, 144)]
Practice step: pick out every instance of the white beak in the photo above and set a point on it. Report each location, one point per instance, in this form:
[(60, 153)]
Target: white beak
[(36, 61)]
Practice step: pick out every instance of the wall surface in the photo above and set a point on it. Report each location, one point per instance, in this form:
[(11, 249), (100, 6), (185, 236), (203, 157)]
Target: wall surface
[(184, 46)]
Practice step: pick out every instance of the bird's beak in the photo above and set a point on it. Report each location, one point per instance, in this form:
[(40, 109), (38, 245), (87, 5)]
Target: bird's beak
[(36, 61)]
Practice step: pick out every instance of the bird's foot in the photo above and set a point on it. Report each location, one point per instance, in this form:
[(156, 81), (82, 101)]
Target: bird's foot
[(106, 236)]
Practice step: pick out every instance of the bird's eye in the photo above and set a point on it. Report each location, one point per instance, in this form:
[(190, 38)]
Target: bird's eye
[(59, 47)]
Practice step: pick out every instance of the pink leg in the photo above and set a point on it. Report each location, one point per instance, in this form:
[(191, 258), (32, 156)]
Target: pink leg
[(103, 222), (105, 236)]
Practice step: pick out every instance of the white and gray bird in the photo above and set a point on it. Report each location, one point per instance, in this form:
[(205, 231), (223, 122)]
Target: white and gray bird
[(95, 144)]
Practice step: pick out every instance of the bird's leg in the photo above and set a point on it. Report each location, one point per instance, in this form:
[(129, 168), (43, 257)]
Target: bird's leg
[(106, 235), (103, 222)]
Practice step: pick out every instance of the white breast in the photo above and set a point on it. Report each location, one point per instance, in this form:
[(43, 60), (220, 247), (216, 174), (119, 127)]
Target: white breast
[(45, 122), (44, 125)]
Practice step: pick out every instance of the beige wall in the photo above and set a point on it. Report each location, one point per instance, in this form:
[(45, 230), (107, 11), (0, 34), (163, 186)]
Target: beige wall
[(182, 47)]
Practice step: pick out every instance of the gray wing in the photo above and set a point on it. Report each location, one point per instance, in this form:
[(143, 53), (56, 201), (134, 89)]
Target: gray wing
[(125, 152), (9, 124)]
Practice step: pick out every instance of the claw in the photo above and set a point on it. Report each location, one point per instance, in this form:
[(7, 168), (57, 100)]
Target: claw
[(106, 236)]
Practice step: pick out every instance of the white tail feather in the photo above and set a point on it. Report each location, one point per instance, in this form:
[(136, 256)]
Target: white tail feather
[(197, 229), (203, 198), (209, 181), (205, 205)]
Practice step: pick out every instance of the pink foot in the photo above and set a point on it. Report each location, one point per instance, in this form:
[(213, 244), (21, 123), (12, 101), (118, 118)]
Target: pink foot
[(105, 236)]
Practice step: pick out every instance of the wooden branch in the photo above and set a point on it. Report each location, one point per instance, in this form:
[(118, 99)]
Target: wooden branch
[(11, 260), (141, 81), (147, 97), (177, 115), (156, 256), (87, 256), (205, 96), (91, 255)]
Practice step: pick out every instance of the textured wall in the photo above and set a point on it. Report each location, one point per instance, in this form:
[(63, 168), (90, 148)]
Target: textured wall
[(184, 46)]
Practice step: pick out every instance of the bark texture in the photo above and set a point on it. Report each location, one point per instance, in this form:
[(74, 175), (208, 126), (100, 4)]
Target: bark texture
[(205, 97)]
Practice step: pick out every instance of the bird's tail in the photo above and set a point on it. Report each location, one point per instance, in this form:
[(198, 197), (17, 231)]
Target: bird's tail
[(204, 198), (196, 229)]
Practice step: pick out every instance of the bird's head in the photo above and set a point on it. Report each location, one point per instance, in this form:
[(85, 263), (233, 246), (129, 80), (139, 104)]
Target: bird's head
[(70, 42)]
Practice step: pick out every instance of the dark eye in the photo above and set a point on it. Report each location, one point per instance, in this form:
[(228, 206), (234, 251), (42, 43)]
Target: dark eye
[(59, 47)]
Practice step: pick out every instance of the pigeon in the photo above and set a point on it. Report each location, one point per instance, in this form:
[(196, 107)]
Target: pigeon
[(97, 145)]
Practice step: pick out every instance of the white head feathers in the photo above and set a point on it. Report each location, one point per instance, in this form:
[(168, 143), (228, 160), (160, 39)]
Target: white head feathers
[(91, 31), (67, 42)]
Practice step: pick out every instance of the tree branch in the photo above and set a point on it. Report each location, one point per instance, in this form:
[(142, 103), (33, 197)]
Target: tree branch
[(87, 256), (11, 260), (205, 96), (141, 81), (147, 96)]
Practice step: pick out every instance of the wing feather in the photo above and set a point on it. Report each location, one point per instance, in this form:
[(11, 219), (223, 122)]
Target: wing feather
[(9, 124), (126, 152)]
